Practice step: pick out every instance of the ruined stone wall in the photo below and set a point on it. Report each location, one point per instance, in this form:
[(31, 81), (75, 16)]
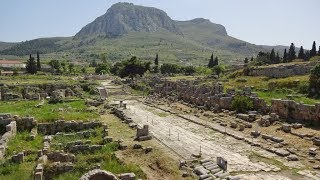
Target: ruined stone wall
[(10, 131), (208, 96), (66, 126), (282, 71), (290, 110)]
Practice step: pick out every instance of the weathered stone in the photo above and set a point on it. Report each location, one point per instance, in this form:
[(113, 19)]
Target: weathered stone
[(148, 149), (137, 146), (292, 157), (127, 176), (286, 128)]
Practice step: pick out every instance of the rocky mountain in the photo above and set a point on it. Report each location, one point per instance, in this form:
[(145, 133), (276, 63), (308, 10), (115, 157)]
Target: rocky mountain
[(127, 29), (122, 18)]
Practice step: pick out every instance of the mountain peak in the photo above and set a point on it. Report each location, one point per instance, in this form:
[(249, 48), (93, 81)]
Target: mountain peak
[(122, 18)]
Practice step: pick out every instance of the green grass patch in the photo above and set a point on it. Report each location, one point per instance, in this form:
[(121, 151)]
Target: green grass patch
[(107, 160), (75, 110), (23, 171), (20, 143)]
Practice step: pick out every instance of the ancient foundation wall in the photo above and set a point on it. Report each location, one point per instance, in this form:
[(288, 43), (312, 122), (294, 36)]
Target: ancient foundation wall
[(283, 71), (290, 110)]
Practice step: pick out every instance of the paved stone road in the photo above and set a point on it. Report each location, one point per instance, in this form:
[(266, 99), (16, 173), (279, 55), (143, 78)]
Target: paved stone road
[(187, 138)]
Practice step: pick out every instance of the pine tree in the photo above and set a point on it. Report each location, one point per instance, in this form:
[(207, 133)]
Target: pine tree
[(156, 61), (31, 66), (313, 51), (292, 53), (38, 62), (301, 54), (272, 57), (285, 56), (277, 60), (211, 62)]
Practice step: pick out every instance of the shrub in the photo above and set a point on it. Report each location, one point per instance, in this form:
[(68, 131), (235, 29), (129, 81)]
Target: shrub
[(242, 104)]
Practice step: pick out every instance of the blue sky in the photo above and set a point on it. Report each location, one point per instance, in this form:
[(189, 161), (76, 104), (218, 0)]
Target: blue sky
[(269, 22)]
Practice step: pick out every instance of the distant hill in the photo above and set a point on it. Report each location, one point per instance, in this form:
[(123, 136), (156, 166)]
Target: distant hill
[(6, 45), (126, 30)]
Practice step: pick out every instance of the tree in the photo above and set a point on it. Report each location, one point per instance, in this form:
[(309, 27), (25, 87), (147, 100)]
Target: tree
[(319, 51), (285, 56), (189, 70), (211, 62), (55, 66), (102, 68), (314, 81), (277, 60), (31, 66), (292, 53), (313, 51), (301, 54), (218, 70), (251, 59), (216, 61), (263, 58), (133, 67), (170, 69), (272, 57), (156, 61), (38, 62), (246, 60), (307, 56)]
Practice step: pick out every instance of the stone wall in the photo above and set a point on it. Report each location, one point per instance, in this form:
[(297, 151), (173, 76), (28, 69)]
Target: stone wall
[(66, 126), (208, 96), (213, 98), (10, 131), (282, 71), (290, 110)]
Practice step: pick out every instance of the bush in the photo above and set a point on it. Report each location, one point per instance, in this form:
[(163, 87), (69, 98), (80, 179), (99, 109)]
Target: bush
[(242, 104)]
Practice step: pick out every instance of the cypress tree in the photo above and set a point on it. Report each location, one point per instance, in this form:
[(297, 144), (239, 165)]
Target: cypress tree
[(156, 61), (31, 66), (285, 56), (272, 57), (313, 51), (307, 56), (38, 62), (292, 53), (277, 60), (301, 54), (319, 51), (211, 62), (216, 61)]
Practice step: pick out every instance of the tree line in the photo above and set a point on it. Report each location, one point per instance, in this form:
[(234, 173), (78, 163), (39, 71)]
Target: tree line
[(288, 56)]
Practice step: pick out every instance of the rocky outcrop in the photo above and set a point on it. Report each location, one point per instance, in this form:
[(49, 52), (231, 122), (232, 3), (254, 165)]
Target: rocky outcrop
[(122, 18)]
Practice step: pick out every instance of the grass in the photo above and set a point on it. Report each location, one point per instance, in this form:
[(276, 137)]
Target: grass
[(272, 88), (23, 171), (21, 143), (106, 158), (75, 110), (36, 79)]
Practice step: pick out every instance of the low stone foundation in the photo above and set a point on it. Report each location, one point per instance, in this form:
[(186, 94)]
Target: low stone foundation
[(98, 174), (66, 126)]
